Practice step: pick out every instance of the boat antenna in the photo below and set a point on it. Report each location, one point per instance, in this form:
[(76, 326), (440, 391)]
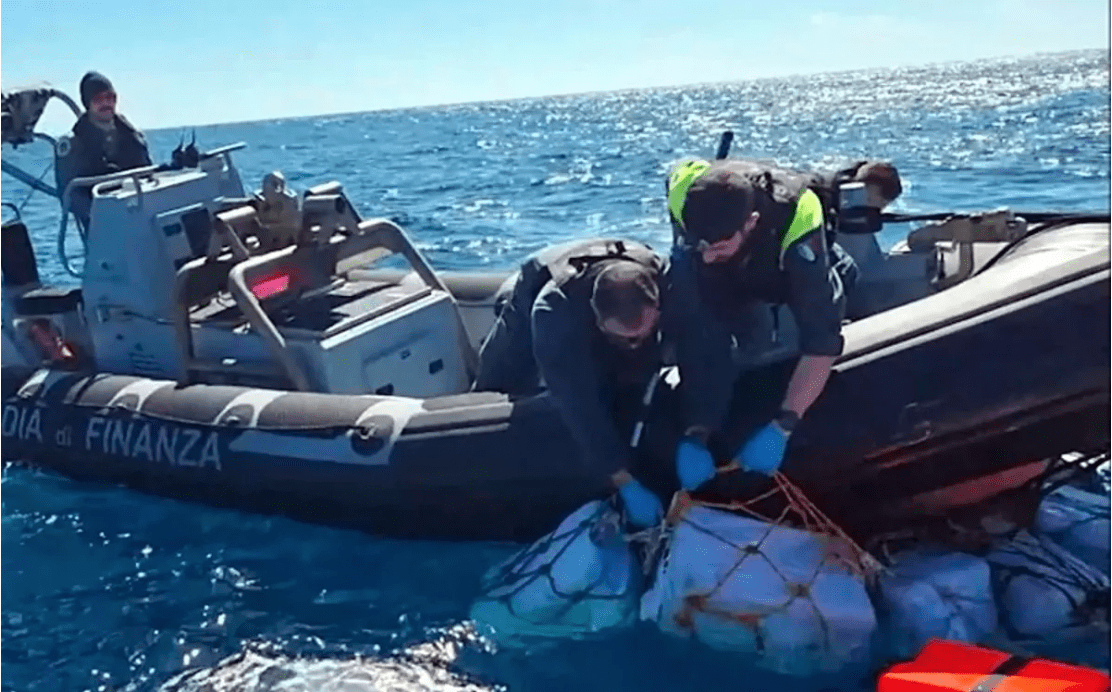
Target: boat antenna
[(192, 156), (175, 155), (724, 144)]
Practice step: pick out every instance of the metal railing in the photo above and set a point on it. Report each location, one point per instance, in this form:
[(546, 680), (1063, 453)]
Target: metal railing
[(307, 267)]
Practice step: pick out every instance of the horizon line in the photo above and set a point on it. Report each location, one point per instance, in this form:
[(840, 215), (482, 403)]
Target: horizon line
[(513, 99)]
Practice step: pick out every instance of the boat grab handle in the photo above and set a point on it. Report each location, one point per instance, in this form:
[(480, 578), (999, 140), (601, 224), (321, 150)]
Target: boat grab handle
[(258, 319)]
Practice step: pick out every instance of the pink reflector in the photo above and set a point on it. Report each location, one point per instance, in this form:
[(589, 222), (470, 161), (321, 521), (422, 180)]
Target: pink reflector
[(270, 285)]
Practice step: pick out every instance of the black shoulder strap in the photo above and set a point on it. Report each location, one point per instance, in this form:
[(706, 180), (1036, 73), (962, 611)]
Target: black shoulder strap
[(1000, 673)]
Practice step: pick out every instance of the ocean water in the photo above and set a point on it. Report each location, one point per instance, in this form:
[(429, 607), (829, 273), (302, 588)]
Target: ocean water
[(104, 589)]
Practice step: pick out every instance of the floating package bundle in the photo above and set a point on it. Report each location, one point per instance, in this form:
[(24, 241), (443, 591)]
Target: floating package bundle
[(1045, 594), (580, 579), (1078, 520), (934, 594), (787, 596)]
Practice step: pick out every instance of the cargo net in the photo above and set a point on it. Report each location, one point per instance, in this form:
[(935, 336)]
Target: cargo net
[(579, 579), (799, 513), (791, 589)]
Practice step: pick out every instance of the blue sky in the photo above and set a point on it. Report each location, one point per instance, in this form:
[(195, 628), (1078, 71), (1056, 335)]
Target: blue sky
[(196, 62)]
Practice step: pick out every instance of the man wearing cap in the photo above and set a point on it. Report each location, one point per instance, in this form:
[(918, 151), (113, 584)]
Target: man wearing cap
[(583, 319), (102, 141), (748, 238)]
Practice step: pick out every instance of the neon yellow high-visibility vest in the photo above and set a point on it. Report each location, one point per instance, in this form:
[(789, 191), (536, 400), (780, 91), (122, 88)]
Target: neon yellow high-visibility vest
[(680, 182), (808, 210)]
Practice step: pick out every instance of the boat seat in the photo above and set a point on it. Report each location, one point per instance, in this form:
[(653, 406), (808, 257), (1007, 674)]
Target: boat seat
[(17, 258), (21, 273), (48, 300)]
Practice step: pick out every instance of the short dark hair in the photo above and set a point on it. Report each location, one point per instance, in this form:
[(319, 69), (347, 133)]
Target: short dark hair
[(717, 205), (622, 291), (883, 175)]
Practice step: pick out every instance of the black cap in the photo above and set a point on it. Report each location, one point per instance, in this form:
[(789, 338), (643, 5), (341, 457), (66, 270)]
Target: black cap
[(93, 83), (623, 290), (718, 204)]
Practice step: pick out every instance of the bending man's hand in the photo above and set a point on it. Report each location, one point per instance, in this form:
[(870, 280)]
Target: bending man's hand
[(764, 451)]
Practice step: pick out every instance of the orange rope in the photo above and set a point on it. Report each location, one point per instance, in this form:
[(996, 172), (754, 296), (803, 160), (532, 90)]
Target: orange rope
[(813, 519)]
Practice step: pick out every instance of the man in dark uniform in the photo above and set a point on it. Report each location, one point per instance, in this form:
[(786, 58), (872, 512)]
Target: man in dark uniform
[(749, 237), (102, 141), (882, 186), (880, 178), (584, 320)]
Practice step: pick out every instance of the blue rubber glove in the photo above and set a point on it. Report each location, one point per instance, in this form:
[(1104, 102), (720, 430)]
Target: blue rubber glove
[(642, 506), (764, 451), (694, 465)]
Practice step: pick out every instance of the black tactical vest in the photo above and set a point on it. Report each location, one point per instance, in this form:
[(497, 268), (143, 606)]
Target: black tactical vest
[(581, 261), (573, 267)]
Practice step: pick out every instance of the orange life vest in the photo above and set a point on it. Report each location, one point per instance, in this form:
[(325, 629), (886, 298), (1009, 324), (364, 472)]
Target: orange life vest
[(945, 666)]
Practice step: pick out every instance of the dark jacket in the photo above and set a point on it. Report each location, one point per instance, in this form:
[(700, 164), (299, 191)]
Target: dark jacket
[(583, 372), (547, 330), (90, 151)]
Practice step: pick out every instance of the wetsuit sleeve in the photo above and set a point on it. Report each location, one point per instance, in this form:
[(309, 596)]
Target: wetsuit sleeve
[(702, 343), (561, 335), (815, 296)]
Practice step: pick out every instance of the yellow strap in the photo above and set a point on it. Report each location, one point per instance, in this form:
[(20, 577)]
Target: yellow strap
[(680, 182), (808, 217)]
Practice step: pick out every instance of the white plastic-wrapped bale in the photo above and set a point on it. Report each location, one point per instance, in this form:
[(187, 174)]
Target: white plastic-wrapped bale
[(1078, 520), (787, 596), (929, 594), (580, 579), (1045, 594)]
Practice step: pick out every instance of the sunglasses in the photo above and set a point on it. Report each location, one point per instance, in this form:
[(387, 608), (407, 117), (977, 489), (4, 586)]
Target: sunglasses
[(700, 245)]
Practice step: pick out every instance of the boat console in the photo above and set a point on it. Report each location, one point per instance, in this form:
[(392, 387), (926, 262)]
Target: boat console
[(255, 291), (296, 318)]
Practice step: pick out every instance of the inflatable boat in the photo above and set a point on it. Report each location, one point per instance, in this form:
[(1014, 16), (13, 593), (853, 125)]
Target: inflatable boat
[(275, 352)]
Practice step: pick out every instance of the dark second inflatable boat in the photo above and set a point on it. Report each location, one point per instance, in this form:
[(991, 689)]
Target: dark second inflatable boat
[(970, 385)]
